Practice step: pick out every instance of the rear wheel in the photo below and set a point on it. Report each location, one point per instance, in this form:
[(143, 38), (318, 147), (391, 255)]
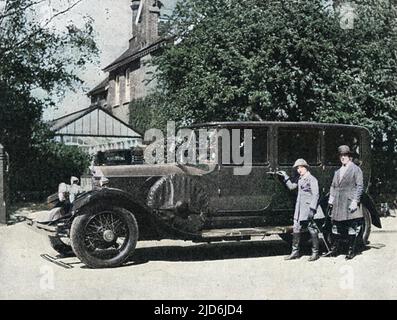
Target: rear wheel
[(364, 234), (104, 236)]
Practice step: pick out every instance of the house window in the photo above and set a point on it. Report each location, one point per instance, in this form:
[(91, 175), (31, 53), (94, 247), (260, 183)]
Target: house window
[(127, 85), (117, 91)]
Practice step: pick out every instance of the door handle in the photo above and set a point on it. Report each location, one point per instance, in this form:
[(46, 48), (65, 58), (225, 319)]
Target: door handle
[(271, 174)]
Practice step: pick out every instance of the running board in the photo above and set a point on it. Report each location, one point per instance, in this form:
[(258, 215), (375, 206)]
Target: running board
[(243, 232)]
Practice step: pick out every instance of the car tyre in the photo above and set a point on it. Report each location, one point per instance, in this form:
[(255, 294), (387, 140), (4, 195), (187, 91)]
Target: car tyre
[(60, 246), (85, 246)]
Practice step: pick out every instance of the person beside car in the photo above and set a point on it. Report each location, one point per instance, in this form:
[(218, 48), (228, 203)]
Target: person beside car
[(306, 208), (345, 195)]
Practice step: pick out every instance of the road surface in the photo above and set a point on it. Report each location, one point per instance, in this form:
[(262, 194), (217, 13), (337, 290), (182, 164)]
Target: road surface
[(186, 270)]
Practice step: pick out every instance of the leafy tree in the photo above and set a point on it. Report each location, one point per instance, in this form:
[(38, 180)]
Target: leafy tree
[(37, 63), (47, 164), (285, 60)]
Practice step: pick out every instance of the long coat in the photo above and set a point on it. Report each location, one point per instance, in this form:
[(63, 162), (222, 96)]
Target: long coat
[(308, 195), (344, 191)]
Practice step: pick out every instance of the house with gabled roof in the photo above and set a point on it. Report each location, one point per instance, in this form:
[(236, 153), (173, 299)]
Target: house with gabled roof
[(129, 76), (95, 129)]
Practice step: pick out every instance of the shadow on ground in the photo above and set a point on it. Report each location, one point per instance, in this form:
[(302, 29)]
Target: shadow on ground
[(212, 251), (219, 251)]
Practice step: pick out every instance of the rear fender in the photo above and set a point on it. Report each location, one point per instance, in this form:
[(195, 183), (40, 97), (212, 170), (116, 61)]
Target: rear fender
[(369, 203)]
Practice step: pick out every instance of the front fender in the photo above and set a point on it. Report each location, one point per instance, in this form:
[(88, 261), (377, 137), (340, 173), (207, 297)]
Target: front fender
[(147, 227), (105, 194)]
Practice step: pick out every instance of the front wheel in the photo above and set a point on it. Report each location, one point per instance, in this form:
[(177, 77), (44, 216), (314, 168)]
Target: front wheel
[(61, 245), (104, 236)]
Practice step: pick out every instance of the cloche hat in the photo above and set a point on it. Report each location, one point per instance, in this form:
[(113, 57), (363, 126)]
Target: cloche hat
[(300, 162)]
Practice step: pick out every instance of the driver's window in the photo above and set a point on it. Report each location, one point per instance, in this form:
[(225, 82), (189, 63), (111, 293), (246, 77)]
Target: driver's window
[(206, 145)]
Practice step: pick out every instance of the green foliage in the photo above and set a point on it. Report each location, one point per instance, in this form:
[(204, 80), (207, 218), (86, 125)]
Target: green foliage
[(141, 113), (47, 164), (37, 63), (148, 112), (285, 60)]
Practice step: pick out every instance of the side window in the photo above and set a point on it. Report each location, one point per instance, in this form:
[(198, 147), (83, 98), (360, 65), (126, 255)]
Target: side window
[(294, 143), (337, 137), (259, 146), (117, 91), (206, 144)]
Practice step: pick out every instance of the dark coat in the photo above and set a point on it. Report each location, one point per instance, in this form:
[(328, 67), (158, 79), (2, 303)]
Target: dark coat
[(344, 191), (308, 194)]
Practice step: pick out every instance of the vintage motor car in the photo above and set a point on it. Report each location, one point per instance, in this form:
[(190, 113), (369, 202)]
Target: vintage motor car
[(208, 201)]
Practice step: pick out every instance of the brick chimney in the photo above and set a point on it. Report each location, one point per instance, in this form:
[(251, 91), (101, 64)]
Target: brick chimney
[(145, 20)]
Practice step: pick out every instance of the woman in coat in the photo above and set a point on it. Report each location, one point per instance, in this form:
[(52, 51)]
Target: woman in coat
[(345, 196), (306, 208)]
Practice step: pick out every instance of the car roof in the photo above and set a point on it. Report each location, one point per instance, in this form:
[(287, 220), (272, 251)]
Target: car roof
[(115, 150), (273, 123)]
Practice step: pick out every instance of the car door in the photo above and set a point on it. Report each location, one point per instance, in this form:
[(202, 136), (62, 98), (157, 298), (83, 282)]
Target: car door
[(294, 143), (244, 200)]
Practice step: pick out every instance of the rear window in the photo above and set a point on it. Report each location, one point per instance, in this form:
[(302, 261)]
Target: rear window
[(113, 157), (337, 137), (295, 143)]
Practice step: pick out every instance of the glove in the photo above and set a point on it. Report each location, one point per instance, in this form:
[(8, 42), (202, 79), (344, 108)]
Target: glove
[(353, 206), (283, 174)]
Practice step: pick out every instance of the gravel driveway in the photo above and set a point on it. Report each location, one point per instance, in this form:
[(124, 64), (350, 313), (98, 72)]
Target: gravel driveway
[(186, 270)]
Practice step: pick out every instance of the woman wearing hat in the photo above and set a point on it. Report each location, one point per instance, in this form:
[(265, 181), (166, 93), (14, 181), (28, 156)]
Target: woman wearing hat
[(306, 208), (345, 194)]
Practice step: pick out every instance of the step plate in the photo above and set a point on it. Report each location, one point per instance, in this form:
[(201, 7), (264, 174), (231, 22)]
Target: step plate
[(242, 232)]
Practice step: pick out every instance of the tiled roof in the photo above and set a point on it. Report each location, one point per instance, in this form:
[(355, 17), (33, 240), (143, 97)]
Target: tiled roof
[(62, 124), (69, 118), (132, 54), (100, 87)]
